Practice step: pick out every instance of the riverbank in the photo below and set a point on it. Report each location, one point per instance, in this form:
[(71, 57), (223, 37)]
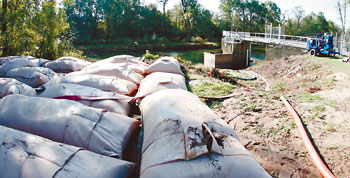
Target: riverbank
[(96, 50), (318, 88)]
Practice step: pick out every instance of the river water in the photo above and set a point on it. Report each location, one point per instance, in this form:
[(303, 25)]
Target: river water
[(196, 56)]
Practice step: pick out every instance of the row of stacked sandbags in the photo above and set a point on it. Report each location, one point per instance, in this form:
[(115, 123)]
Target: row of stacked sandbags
[(85, 105), (182, 137)]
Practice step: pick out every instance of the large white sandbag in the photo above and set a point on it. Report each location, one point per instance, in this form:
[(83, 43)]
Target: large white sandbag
[(183, 136), (165, 64), (63, 90), (39, 61), (16, 63), (160, 81), (104, 83), (122, 61), (32, 76), (68, 122), (3, 60), (112, 70), (67, 64), (10, 86), (26, 155)]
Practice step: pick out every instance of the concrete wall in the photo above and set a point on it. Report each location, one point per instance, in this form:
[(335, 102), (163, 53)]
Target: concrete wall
[(239, 59)]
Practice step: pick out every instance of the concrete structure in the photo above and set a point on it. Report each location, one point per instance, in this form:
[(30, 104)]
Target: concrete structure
[(234, 56)]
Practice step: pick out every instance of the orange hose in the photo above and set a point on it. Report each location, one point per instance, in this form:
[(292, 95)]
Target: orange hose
[(322, 168)]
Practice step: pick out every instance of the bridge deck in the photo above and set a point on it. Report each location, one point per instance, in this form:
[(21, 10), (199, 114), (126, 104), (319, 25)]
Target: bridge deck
[(287, 40)]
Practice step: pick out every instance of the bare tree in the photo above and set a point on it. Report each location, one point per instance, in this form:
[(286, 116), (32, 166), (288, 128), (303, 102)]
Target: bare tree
[(342, 13), (299, 13), (164, 2)]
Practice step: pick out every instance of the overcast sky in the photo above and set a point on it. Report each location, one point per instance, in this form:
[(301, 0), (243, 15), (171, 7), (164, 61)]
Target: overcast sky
[(328, 7)]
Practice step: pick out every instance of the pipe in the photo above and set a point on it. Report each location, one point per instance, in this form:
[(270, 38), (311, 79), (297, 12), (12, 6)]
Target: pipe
[(322, 168)]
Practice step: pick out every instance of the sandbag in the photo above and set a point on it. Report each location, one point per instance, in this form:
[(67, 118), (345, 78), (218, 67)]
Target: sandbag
[(32, 76), (165, 64), (3, 60), (68, 122), (159, 81), (10, 86), (16, 63), (185, 138), (104, 83), (26, 155), (39, 61), (67, 64), (112, 70), (67, 89), (122, 61)]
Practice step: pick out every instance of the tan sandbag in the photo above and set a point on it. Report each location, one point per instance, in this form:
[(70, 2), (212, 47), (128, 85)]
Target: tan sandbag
[(32, 76), (67, 64), (112, 70), (67, 89), (159, 81), (104, 83), (165, 64), (68, 122), (10, 86), (16, 63), (186, 138), (26, 155), (121, 61)]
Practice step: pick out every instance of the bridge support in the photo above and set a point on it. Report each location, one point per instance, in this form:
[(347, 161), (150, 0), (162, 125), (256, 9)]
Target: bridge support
[(234, 56)]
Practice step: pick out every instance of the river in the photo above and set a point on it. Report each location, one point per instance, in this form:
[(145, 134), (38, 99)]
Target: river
[(196, 56)]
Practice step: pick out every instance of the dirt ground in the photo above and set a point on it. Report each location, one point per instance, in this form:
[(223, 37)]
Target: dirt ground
[(317, 87)]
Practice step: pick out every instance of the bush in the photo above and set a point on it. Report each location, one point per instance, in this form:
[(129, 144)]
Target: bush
[(148, 55)]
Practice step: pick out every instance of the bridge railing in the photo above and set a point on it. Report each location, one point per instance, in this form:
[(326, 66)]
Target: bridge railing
[(273, 38)]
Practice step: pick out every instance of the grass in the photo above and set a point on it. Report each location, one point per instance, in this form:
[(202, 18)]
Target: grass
[(331, 127), (313, 98), (213, 89)]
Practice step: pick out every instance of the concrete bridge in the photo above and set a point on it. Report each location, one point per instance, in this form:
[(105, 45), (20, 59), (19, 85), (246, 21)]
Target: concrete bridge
[(231, 37)]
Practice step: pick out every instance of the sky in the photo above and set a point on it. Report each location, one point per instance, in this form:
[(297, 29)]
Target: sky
[(328, 7)]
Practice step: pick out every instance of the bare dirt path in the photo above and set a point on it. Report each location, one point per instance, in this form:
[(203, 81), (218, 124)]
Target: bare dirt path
[(319, 89)]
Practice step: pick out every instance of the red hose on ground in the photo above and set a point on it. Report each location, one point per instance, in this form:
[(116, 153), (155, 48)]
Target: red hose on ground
[(322, 168)]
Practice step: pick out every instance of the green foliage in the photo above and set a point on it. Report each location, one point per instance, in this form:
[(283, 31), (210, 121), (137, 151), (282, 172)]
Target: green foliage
[(309, 25), (35, 28), (148, 55), (249, 15)]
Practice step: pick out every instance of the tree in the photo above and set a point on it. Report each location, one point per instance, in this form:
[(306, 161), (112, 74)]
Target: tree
[(164, 2), (273, 14), (341, 7), (299, 14), (4, 28), (188, 4)]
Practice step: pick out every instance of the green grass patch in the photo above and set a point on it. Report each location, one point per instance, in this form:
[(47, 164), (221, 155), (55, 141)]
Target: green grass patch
[(213, 89), (321, 102)]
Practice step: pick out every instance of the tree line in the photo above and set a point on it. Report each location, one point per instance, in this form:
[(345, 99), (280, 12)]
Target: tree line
[(44, 29)]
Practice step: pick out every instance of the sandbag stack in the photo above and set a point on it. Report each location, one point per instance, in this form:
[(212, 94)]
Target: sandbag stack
[(50, 99)]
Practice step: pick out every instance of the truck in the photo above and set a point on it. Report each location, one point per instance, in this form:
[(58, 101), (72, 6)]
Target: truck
[(322, 45)]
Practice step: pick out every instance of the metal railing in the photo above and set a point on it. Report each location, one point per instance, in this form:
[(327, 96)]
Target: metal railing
[(288, 40)]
